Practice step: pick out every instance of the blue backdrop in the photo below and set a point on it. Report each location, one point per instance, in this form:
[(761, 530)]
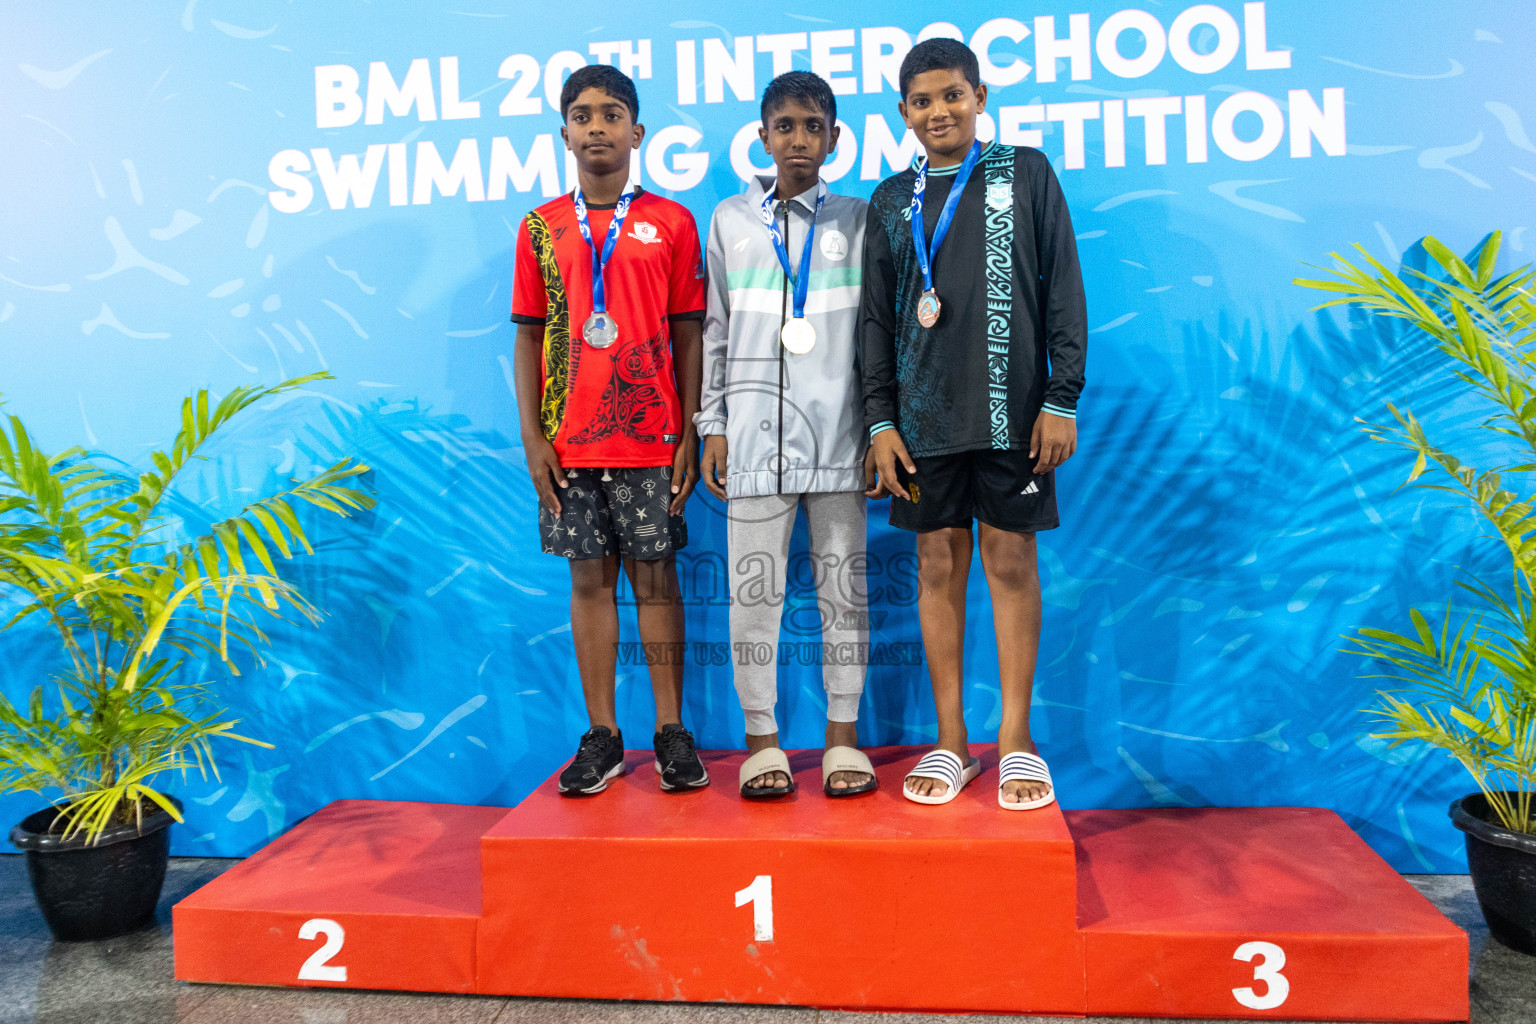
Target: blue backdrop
[(187, 203)]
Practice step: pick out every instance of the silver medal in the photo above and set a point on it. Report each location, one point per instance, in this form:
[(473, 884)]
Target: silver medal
[(928, 307), (600, 330), (798, 336)]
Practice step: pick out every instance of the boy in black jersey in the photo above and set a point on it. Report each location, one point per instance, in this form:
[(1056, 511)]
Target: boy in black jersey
[(972, 338)]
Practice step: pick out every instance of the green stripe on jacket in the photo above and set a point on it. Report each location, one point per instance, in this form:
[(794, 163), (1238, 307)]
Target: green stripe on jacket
[(773, 277)]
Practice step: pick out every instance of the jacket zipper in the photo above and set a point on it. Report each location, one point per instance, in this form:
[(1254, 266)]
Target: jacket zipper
[(783, 319)]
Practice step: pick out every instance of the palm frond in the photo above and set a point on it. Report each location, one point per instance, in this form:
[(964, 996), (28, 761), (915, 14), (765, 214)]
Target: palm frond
[(198, 425), (1470, 692), (80, 546)]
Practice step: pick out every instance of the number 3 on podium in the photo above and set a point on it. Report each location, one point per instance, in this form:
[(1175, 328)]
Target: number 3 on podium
[(760, 895), (1267, 970)]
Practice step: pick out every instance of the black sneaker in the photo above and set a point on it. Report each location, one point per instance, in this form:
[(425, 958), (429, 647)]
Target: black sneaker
[(599, 758), (677, 762)]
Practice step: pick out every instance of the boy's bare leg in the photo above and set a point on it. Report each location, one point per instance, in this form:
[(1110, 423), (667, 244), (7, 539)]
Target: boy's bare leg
[(595, 629), (1008, 559), (943, 566), (659, 609)]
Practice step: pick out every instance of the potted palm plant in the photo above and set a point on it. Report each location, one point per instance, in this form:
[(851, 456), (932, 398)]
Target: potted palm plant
[(1467, 683), (139, 619)]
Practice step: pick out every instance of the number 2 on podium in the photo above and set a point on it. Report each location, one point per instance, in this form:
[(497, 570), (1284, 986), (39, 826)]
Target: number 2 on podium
[(318, 967), (760, 895)]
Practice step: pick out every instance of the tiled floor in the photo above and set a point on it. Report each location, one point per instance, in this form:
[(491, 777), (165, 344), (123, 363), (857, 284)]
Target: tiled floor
[(128, 980)]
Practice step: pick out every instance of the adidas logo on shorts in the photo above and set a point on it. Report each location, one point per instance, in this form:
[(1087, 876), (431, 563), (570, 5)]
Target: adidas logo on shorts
[(1033, 488)]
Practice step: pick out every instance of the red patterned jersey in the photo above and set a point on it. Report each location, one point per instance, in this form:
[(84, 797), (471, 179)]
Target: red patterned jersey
[(614, 406)]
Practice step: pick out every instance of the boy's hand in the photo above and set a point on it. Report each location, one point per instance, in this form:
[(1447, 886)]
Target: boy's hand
[(1053, 442), (685, 473), (888, 452), (544, 468), (872, 488), (715, 451)]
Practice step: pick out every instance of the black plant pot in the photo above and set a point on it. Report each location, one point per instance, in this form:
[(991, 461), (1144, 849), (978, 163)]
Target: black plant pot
[(1503, 866), (102, 890)]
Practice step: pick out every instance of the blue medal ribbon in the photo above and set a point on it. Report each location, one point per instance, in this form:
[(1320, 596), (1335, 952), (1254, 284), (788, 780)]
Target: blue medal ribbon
[(600, 260), (802, 283), (925, 252)]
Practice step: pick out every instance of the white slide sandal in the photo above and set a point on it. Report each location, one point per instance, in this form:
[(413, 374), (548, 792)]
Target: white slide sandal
[(770, 759), (941, 766), (846, 759), (1024, 767)]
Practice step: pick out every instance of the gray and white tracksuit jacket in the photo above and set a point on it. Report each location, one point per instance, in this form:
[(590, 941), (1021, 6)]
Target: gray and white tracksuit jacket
[(794, 424)]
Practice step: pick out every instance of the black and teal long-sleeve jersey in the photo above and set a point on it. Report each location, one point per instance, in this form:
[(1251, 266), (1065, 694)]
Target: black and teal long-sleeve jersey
[(1013, 335)]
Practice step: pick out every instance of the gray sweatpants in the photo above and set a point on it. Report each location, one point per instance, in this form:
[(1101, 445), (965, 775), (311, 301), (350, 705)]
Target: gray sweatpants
[(759, 532)]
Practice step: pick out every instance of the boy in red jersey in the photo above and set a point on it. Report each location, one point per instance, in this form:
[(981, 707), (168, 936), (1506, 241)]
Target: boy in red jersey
[(608, 296)]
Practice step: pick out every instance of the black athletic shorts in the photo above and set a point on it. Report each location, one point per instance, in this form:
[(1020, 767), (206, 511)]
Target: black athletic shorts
[(998, 487), (614, 512)]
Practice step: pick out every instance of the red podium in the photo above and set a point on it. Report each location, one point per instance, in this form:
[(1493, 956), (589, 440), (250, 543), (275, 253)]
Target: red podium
[(868, 902), (363, 894)]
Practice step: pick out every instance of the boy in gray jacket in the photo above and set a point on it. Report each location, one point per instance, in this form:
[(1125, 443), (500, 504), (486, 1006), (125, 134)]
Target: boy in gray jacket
[(783, 425)]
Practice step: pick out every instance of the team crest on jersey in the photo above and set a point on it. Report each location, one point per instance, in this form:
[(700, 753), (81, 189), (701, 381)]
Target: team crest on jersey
[(644, 231), (834, 245), (999, 195)]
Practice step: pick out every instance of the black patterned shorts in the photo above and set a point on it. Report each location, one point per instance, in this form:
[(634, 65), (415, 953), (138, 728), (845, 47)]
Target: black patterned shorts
[(614, 512), (1000, 488)]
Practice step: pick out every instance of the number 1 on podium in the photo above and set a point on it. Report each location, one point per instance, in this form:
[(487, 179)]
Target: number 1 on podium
[(760, 895)]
